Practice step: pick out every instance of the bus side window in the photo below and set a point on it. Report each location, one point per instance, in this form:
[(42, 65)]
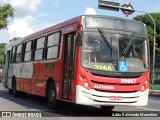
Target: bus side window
[(39, 48), (18, 53), (12, 60), (53, 45), (27, 51)]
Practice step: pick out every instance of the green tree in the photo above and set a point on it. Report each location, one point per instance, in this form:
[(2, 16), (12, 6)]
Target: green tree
[(147, 20), (6, 11), (2, 47)]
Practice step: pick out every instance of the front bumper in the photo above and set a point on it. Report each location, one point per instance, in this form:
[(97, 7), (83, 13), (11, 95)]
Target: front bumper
[(93, 97)]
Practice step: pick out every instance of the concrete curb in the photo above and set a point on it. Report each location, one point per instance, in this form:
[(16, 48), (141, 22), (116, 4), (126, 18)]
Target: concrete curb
[(154, 93)]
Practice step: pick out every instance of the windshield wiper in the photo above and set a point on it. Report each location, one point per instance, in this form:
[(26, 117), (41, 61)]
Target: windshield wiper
[(129, 44), (103, 35)]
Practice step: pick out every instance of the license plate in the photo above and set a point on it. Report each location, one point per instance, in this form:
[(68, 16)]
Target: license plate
[(118, 98)]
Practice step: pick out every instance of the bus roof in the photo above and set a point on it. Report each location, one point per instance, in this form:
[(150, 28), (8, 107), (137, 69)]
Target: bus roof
[(69, 22), (12, 43), (52, 28), (113, 17)]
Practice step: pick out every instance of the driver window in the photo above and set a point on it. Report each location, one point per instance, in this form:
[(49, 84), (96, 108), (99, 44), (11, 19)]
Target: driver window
[(89, 50)]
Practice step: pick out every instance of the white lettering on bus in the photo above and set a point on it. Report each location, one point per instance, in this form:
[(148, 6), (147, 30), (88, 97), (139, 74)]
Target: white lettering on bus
[(104, 87), (128, 81)]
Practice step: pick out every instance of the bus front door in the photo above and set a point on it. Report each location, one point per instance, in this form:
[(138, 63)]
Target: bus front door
[(69, 51)]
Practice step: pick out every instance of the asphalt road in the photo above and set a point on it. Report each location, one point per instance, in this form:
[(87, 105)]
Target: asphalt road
[(71, 111)]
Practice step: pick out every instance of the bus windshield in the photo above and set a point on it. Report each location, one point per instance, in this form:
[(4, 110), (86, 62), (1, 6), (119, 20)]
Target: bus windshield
[(96, 54)]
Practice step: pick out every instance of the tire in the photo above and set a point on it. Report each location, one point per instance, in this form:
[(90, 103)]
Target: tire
[(51, 96), (10, 91), (14, 88), (107, 108), (22, 94)]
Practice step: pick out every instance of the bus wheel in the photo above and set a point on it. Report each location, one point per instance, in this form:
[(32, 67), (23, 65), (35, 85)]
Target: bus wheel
[(52, 102), (107, 108), (14, 88), (22, 94), (10, 91)]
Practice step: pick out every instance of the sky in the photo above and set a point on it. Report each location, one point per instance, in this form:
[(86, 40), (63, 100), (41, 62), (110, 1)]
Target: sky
[(34, 15)]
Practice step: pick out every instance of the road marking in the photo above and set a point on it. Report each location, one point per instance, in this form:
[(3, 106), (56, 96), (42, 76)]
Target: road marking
[(148, 109)]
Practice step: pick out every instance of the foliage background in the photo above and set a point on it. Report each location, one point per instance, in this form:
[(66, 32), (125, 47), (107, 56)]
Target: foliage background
[(6, 11), (147, 20)]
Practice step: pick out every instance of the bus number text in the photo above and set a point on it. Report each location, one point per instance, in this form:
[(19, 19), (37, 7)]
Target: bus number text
[(128, 80), (103, 67)]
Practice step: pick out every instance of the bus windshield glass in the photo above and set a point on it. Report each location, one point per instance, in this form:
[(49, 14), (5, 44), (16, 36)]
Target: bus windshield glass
[(96, 54)]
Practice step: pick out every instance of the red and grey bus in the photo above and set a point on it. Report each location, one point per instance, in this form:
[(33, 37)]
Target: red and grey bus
[(88, 60)]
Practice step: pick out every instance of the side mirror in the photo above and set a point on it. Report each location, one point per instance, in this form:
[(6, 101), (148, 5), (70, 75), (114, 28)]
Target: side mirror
[(79, 39)]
